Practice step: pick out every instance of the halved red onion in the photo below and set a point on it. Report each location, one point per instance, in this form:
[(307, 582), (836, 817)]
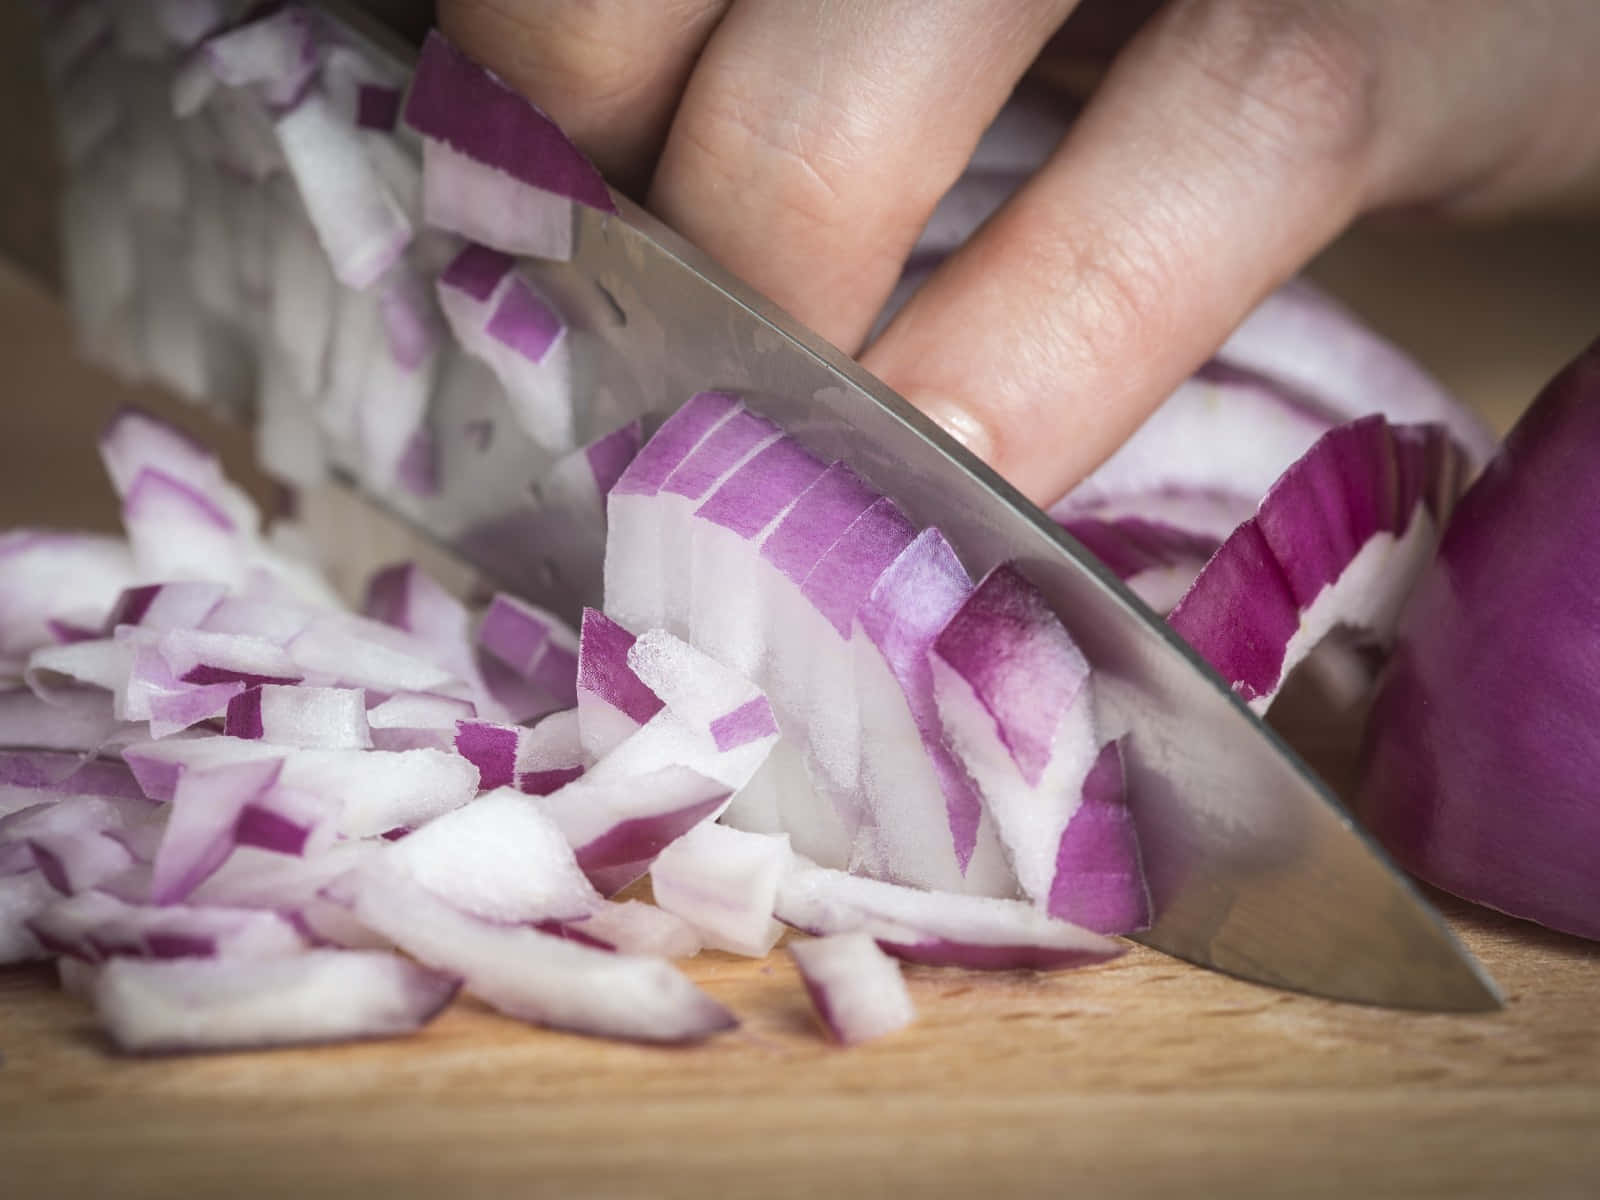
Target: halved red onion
[(539, 977), (495, 168), (1480, 752), (723, 882), (1337, 543), (856, 988), (155, 1006), (1015, 700), (936, 928)]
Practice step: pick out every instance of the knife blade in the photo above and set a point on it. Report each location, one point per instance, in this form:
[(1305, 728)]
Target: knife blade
[(1254, 867)]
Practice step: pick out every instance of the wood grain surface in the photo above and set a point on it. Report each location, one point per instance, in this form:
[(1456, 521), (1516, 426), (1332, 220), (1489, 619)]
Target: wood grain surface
[(1142, 1077)]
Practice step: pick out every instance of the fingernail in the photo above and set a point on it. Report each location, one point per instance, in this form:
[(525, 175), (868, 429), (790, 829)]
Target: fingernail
[(959, 423)]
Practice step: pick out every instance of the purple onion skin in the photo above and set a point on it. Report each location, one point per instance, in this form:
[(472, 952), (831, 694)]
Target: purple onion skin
[(1483, 745)]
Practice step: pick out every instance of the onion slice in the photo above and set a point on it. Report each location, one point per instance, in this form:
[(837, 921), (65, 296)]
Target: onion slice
[(1337, 543)]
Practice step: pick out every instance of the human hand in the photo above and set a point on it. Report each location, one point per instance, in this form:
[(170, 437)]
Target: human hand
[(803, 143)]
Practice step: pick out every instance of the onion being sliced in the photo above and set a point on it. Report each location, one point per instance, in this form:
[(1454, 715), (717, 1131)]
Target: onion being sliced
[(154, 1006), (1015, 700), (1337, 543), (634, 564)]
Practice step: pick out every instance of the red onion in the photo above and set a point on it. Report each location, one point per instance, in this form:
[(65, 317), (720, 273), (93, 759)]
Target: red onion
[(1480, 756)]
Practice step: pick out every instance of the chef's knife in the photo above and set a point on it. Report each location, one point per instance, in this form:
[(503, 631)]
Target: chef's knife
[(1254, 867)]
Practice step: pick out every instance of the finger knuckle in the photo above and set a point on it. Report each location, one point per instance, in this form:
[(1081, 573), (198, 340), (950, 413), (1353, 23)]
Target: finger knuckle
[(1301, 75)]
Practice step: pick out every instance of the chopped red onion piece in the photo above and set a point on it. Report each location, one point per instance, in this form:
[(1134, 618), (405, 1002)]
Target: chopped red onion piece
[(500, 858), (495, 168), (936, 928), (72, 719), (205, 809), (94, 925), (375, 790), (633, 927), (613, 702), (723, 882), (540, 651), (540, 978), (1337, 543), (360, 224), (44, 576), (66, 774), (318, 996), (621, 824), (278, 54), (312, 717), (22, 896), (856, 988), (551, 754)]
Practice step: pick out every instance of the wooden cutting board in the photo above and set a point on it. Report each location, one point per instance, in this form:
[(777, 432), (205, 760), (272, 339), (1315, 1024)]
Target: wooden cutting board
[(1145, 1076)]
